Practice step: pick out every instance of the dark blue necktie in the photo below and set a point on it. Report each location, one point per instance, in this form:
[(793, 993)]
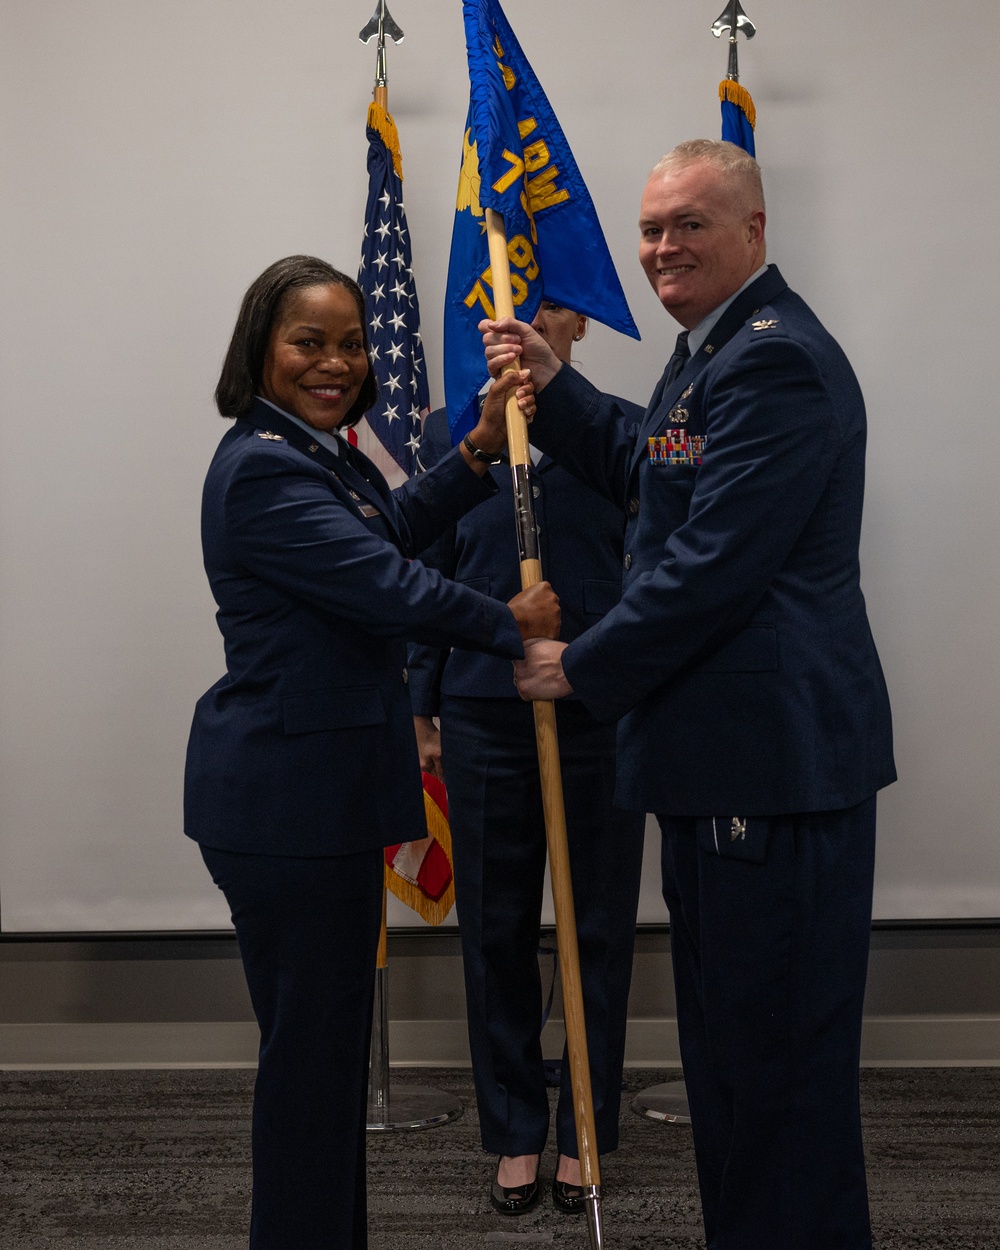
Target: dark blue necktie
[(679, 359)]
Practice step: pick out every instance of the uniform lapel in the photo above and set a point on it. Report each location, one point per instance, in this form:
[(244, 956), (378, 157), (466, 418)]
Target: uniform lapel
[(355, 473), (767, 286)]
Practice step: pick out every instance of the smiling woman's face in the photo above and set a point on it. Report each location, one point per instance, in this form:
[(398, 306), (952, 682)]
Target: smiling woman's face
[(316, 362)]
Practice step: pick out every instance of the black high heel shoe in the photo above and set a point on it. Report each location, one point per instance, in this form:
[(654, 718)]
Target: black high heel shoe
[(567, 1197), (515, 1200)]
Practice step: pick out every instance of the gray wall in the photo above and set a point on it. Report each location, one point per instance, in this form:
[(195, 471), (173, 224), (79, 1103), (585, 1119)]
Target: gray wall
[(933, 998), (155, 158)]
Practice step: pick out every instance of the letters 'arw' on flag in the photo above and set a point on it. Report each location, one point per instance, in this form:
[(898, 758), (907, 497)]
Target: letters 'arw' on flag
[(515, 160), (390, 433)]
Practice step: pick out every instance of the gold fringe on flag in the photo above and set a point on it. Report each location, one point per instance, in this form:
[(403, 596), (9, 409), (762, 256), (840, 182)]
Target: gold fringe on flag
[(412, 895), (738, 95), (381, 120)]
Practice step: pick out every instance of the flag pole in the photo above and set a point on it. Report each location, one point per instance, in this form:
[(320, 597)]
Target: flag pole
[(400, 1106), (551, 776)]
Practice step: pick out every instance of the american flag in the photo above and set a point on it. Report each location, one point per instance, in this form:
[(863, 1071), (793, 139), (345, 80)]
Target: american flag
[(419, 873), (389, 434)]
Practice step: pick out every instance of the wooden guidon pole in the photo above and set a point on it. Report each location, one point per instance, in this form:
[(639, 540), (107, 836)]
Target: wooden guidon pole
[(551, 775)]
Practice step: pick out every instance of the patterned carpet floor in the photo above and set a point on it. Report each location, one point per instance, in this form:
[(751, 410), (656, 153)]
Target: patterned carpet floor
[(159, 1160)]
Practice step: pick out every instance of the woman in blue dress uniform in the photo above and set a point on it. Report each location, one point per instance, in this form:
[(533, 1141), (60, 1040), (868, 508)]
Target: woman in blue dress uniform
[(301, 762), (487, 755)]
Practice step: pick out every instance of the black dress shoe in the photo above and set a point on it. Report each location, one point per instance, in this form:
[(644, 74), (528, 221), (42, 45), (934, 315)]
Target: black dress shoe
[(567, 1197), (513, 1201)]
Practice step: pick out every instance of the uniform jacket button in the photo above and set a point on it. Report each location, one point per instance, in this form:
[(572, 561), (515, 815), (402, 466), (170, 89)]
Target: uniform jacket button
[(633, 506), (406, 676), (628, 559), (536, 491)]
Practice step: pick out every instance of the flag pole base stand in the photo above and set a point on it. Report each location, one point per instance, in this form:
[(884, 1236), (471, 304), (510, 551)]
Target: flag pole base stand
[(667, 1102), (412, 1107), (393, 1108)]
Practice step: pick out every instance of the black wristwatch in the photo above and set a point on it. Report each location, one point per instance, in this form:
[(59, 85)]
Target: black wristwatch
[(477, 453)]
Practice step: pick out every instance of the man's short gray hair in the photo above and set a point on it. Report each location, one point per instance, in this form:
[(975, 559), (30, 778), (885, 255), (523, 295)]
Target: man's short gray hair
[(738, 166)]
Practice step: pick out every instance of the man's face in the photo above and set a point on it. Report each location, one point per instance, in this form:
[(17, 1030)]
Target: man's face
[(698, 244)]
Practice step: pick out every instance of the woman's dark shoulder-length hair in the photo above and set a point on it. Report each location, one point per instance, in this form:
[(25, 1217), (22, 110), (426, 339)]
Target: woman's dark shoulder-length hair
[(262, 305)]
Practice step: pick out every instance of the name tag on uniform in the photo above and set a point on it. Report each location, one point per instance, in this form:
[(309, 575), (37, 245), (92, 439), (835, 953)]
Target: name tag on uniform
[(677, 447), (368, 509)]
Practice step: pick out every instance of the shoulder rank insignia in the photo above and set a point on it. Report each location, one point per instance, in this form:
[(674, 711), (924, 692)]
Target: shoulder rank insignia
[(274, 438), (678, 415), (764, 325), (738, 829)]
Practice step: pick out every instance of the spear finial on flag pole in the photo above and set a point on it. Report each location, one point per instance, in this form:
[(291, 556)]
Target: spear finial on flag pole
[(739, 117), (380, 25), (733, 19)]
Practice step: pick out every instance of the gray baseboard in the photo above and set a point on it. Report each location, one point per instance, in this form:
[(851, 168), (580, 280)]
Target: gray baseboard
[(151, 1000), (888, 1041), (166, 1045)]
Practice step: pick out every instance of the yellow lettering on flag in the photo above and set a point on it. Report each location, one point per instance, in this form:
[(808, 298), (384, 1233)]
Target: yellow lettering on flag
[(543, 193), (536, 156), (509, 77), (478, 295), (521, 256), (540, 193), (507, 180)]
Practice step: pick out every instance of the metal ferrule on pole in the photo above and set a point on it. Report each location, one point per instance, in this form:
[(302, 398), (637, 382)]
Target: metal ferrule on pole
[(592, 1201)]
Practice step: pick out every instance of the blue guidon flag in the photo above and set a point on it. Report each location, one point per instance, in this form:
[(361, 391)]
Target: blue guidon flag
[(390, 432), (516, 161), (739, 117)]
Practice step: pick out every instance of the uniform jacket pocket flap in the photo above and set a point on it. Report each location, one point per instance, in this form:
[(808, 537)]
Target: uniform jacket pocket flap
[(735, 837), (345, 708), (600, 597), (482, 584), (753, 650)]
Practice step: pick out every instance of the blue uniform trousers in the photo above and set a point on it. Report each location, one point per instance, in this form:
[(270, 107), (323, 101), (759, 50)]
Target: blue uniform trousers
[(308, 933), (498, 843), (770, 924)]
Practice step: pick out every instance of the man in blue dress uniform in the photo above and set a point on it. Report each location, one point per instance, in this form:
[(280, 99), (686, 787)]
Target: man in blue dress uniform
[(753, 715)]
